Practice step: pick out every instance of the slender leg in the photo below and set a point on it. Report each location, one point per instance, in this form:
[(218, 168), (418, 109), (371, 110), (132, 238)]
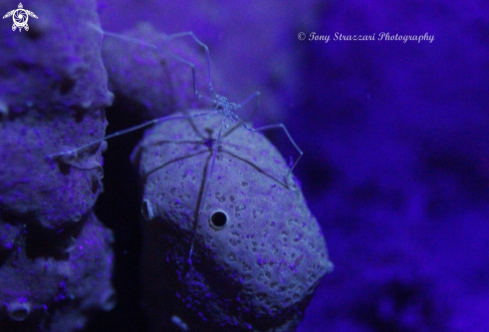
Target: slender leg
[(167, 38), (206, 188), (279, 126), (74, 152), (255, 96)]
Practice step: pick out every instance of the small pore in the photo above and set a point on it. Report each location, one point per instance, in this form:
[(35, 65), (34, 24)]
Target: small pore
[(19, 310), (218, 219), (66, 85), (76, 217)]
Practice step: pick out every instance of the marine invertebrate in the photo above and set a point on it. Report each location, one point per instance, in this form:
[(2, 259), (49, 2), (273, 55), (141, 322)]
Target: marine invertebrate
[(148, 71), (256, 258), (257, 252), (225, 220), (55, 256)]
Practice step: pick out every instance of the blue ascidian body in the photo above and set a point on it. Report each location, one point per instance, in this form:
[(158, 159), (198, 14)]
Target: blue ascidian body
[(257, 252)]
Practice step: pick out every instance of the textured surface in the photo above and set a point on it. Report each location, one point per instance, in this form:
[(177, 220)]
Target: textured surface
[(154, 80), (55, 256), (259, 270), (51, 280), (51, 85), (395, 138)]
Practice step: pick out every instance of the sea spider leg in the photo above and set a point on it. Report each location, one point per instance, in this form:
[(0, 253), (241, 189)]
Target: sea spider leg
[(174, 56), (228, 116), (73, 153), (284, 128), (222, 106)]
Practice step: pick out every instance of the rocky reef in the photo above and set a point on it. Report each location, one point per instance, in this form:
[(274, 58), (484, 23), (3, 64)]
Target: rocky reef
[(234, 247), (56, 257)]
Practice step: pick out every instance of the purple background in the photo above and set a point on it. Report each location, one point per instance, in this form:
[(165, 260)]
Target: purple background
[(395, 135)]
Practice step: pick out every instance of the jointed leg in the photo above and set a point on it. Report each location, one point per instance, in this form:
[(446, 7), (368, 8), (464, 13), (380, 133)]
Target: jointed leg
[(74, 152), (207, 180), (279, 126)]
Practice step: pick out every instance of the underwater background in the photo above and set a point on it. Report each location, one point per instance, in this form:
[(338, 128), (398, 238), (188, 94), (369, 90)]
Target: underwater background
[(395, 137), (396, 148)]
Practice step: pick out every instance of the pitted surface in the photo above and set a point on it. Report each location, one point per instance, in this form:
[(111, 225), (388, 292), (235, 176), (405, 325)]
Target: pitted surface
[(260, 269)]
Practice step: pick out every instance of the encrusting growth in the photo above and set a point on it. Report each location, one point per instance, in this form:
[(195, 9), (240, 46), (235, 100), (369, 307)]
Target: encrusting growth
[(258, 253), (229, 242), (55, 256)]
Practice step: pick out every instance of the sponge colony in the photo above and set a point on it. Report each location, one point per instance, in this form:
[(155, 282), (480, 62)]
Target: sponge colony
[(257, 251)]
